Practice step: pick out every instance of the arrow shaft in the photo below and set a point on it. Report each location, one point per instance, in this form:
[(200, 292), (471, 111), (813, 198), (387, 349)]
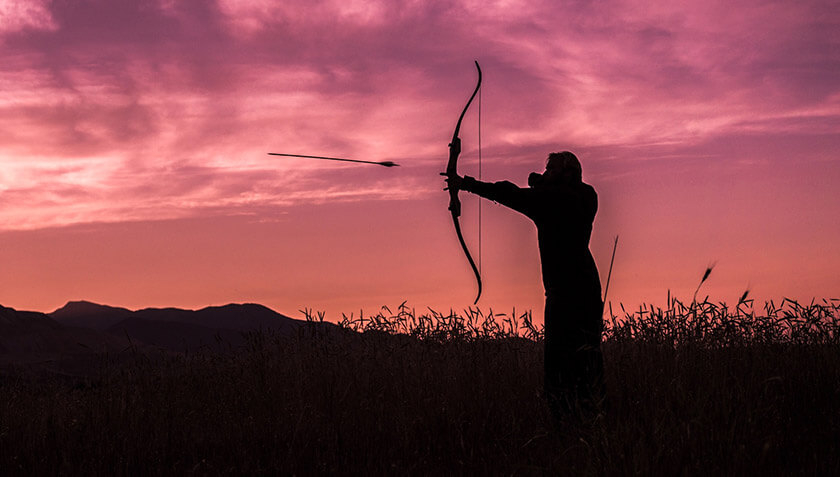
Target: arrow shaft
[(386, 164)]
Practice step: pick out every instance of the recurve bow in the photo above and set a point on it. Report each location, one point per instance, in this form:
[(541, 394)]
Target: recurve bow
[(452, 170)]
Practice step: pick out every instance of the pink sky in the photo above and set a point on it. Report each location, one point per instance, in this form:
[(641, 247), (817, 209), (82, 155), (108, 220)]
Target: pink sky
[(133, 141)]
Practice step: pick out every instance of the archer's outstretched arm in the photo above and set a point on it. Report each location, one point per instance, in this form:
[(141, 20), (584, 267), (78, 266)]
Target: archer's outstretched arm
[(504, 192)]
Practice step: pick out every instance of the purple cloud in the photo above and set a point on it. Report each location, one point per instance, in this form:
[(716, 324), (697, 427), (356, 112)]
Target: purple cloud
[(174, 104)]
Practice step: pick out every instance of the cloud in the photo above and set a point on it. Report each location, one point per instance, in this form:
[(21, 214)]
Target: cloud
[(170, 107), (18, 15)]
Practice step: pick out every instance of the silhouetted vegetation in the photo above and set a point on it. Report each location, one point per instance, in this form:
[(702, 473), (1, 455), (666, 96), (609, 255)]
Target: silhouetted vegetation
[(693, 388)]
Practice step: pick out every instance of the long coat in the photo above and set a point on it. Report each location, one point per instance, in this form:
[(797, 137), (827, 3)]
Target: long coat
[(563, 215)]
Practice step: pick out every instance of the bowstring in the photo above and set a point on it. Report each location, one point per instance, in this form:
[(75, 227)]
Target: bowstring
[(479, 178)]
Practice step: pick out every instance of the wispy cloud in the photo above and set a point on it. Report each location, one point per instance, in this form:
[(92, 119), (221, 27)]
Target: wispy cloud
[(31, 15), (111, 110)]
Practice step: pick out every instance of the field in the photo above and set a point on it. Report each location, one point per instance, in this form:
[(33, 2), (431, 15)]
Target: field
[(697, 388)]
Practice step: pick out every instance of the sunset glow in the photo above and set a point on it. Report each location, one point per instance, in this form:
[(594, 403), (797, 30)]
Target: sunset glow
[(133, 141)]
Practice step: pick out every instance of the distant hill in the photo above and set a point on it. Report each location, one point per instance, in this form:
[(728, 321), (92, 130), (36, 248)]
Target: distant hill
[(239, 317), (29, 335), (81, 327), (85, 314)]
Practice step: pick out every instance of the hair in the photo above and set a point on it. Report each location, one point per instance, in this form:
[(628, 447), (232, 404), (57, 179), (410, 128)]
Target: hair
[(569, 164)]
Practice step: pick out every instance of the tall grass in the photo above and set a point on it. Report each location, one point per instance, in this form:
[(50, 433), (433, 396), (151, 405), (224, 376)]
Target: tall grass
[(711, 324), (692, 388)]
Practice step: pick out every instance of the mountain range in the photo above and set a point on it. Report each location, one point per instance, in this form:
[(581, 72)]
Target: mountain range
[(83, 328)]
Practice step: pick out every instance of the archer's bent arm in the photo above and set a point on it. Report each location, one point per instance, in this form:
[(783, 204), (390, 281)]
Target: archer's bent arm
[(504, 192)]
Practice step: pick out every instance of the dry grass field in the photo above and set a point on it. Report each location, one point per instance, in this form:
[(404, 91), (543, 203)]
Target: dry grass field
[(697, 388)]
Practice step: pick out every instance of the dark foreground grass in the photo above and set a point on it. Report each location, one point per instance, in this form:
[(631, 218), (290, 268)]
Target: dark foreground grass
[(693, 389)]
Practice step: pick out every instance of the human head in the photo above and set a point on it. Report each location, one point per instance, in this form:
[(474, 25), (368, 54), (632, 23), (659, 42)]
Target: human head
[(563, 167)]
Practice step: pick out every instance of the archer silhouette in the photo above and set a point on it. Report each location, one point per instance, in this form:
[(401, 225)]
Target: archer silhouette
[(563, 208)]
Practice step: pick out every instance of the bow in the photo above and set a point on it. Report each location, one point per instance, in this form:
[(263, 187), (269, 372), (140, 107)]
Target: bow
[(452, 170)]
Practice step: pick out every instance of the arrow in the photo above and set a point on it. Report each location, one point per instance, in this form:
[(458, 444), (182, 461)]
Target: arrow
[(383, 163)]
